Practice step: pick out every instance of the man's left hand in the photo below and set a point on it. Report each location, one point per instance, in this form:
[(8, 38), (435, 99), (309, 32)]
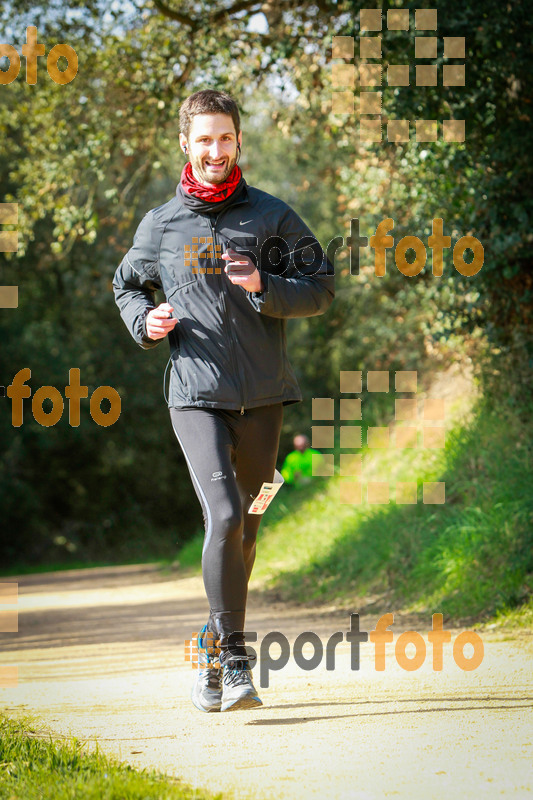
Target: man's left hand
[(242, 271)]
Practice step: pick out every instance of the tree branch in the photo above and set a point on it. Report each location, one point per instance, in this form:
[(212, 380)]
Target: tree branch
[(175, 15), (240, 5), (185, 73)]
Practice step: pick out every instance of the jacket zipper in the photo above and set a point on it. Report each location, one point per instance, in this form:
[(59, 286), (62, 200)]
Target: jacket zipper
[(226, 314)]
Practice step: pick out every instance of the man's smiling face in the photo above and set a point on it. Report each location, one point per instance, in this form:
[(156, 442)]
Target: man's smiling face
[(212, 147)]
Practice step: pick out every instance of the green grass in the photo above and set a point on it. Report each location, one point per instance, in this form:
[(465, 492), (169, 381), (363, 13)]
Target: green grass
[(519, 618), (190, 555), (35, 767), (471, 557)]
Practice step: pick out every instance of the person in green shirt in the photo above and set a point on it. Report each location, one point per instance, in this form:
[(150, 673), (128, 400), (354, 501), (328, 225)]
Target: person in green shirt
[(297, 468)]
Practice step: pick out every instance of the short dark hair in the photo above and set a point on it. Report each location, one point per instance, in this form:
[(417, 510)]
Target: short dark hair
[(208, 101)]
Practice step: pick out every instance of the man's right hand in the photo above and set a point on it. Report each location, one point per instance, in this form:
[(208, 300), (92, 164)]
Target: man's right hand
[(159, 322)]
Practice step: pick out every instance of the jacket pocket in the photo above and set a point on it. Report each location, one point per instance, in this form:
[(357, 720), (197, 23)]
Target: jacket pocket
[(179, 383)]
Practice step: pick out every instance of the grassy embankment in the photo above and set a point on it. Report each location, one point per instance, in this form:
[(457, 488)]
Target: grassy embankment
[(35, 767), (470, 558)]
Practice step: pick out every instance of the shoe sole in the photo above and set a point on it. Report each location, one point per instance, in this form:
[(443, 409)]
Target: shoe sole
[(247, 701)]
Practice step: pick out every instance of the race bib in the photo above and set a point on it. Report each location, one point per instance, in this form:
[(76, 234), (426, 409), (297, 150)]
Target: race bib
[(266, 494)]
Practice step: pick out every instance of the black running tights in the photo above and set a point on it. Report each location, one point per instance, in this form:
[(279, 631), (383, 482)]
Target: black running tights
[(229, 456)]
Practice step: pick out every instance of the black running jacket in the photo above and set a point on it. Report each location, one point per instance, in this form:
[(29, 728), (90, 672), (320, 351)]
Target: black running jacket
[(228, 349)]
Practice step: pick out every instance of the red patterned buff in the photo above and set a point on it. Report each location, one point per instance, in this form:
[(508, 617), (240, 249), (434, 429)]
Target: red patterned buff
[(213, 194)]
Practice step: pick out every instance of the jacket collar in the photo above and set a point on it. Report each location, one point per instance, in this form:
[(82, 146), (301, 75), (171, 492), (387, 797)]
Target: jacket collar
[(202, 207)]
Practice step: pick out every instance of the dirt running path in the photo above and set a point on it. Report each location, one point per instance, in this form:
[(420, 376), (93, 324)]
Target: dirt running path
[(100, 654)]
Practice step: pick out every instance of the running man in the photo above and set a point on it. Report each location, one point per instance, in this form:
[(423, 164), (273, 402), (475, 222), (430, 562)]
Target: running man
[(233, 263)]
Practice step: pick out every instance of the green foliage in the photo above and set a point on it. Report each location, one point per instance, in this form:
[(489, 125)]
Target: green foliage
[(484, 186), (470, 557), (86, 160)]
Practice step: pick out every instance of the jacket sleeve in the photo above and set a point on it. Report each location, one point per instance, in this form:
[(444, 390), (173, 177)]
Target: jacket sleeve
[(136, 280), (305, 288)]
